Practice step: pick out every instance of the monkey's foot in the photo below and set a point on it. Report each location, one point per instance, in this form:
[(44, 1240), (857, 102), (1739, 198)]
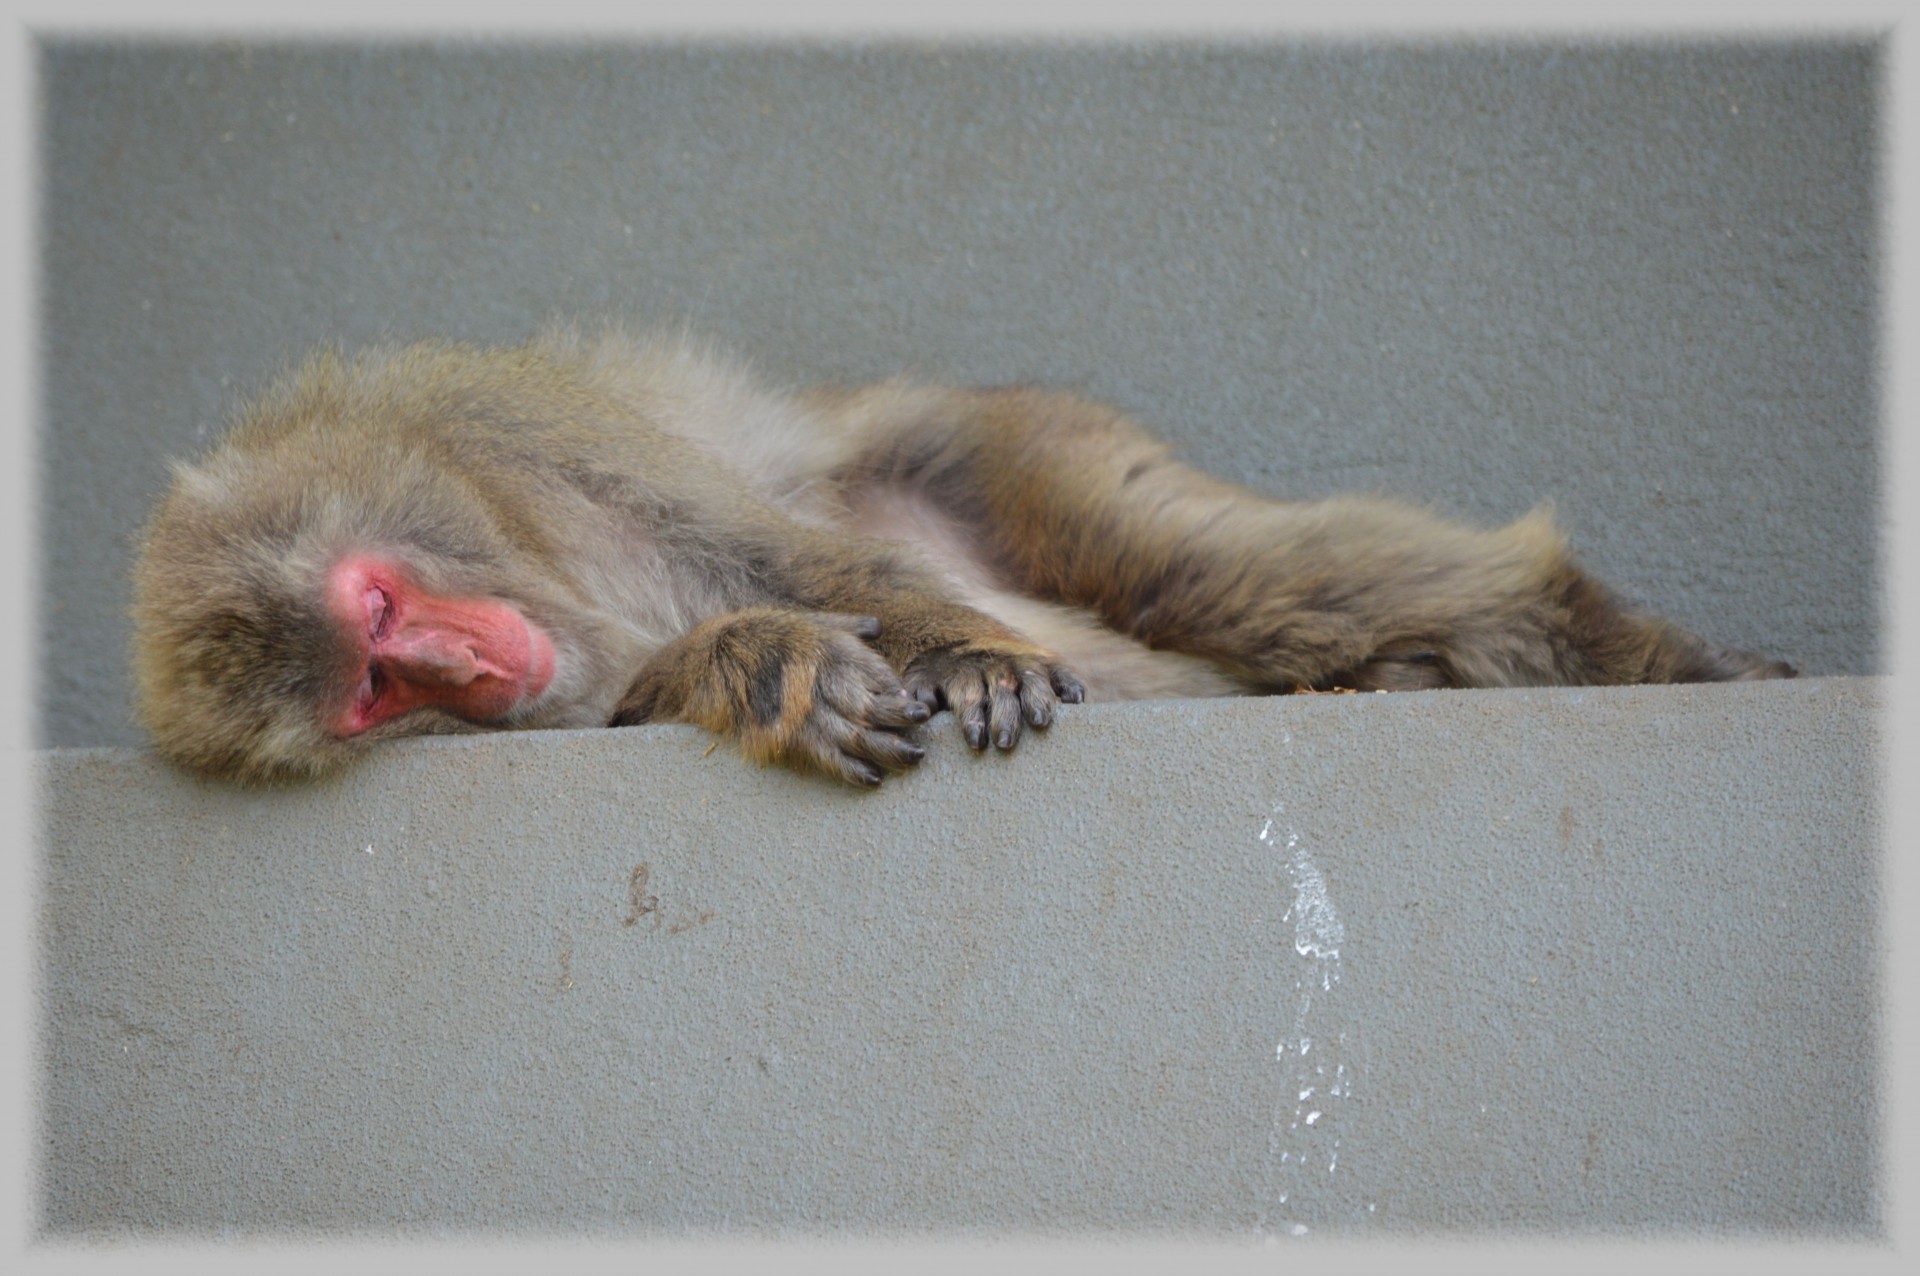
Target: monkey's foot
[(993, 688), (1713, 663)]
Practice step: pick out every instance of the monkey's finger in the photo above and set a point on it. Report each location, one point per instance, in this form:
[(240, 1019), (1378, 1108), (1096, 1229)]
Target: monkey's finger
[(1003, 703), (966, 695), (856, 771), (896, 711), (1069, 688), (895, 753), (1036, 697), (925, 688)]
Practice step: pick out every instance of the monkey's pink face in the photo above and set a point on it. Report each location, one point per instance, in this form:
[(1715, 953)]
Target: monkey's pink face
[(477, 658)]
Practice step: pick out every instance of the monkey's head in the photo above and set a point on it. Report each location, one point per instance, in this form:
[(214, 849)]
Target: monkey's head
[(291, 607)]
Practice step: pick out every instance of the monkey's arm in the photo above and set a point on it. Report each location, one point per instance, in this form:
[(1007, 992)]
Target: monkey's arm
[(764, 583), (859, 647)]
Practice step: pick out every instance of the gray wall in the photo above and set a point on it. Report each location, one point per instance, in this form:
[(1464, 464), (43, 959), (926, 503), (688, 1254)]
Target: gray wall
[(1543, 963), (1638, 281)]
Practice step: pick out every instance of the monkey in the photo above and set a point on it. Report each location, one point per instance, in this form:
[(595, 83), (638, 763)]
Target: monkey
[(595, 529)]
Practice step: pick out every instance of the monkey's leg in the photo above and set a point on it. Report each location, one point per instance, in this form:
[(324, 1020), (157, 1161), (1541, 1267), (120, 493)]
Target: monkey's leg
[(802, 689), (1068, 500)]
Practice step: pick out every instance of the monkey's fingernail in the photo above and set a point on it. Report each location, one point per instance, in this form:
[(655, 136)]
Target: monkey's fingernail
[(976, 736), (867, 627), (1004, 739)]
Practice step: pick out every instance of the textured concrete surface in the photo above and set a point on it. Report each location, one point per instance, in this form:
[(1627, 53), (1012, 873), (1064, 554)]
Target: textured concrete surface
[(1510, 963), (1636, 280)]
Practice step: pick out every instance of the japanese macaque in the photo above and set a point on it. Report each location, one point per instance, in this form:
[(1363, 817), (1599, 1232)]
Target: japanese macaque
[(591, 530)]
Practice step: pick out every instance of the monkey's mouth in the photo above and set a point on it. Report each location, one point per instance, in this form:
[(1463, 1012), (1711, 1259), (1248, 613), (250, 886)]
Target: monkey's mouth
[(541, 663), (514, 679)]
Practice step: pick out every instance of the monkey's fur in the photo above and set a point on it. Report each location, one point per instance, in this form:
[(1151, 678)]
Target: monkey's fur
[(811, 574)]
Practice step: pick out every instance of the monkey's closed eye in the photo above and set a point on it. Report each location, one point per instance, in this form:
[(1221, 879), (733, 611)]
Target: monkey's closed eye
[(370, 688), (379, 611)]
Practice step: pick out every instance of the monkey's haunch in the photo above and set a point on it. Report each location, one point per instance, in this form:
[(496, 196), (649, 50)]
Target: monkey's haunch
[(594, 530)]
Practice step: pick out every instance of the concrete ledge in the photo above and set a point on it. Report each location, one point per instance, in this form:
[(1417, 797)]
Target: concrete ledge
[(1514, 962)]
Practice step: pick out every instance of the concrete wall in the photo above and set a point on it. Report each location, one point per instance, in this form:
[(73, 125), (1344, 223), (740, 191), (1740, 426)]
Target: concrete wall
[(1541, 962), (1636, 280)]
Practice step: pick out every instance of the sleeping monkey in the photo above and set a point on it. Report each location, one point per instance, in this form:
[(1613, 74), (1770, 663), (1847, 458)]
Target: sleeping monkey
[(593, 530)]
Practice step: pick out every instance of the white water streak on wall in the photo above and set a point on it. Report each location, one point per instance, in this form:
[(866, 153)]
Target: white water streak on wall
[(1320, 1068)]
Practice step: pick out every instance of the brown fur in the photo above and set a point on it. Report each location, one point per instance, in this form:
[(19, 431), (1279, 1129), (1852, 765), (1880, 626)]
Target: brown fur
[(811, 574)]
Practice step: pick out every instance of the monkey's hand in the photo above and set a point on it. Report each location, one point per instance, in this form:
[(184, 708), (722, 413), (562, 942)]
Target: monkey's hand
[(800, 688), (992, 687)]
